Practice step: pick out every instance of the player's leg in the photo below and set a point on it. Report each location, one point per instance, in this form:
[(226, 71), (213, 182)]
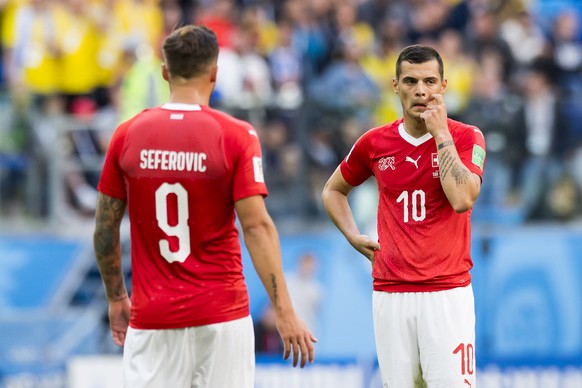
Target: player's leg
[(446, 336), (224, 354), (396, 342), (156, 358)]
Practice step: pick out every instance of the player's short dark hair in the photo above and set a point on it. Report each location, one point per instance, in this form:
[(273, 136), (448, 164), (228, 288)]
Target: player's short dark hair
[(418, 53), (189, 51)]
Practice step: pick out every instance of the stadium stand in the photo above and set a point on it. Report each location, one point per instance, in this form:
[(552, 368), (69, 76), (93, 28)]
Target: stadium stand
[(528, 266)]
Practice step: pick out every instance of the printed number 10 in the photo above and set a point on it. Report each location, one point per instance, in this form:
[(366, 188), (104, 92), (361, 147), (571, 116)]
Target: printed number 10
[(418, 201), (467, 357)]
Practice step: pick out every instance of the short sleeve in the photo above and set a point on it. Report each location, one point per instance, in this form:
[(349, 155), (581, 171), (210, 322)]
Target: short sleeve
[(355, 168), (248, 175), (111, 182), (472, 151)]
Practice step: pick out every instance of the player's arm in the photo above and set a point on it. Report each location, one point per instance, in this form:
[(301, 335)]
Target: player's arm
[(107, 246), (335, 201), (460, 185), (262, 241)]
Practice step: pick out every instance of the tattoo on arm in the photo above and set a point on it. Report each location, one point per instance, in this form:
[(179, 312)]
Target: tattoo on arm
[(107, 246), (448, 164), (445, 163), (275, 289), (460, 175), (445, 144)]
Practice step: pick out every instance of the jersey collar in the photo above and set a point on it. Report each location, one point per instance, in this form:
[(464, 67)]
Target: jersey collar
[(411, 139), (180, 106)]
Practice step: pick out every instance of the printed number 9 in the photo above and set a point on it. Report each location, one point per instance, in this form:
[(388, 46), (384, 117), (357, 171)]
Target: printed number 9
[(181, 229)]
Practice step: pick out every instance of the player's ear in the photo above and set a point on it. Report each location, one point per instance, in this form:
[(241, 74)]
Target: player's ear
[(395, 85), (213, 73), (444, 85), (165, 72)]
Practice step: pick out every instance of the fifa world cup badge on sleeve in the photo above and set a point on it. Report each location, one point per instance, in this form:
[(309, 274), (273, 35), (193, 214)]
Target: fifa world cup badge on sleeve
[(478, 156), (258, 169)]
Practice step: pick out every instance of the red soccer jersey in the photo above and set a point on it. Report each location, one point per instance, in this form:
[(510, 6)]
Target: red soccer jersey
[(180, 168), (424, 243)]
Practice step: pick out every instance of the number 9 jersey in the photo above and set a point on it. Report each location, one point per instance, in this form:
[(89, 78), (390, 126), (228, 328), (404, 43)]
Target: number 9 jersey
[(181, 168), (424, 243)]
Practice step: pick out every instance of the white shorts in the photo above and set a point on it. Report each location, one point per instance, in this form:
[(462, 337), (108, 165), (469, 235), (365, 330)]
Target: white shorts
[(426, 339), (211, 356)]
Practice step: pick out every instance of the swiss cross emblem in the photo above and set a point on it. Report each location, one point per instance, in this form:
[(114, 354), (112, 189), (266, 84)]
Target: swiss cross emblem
[(386, 162), (435, 164)]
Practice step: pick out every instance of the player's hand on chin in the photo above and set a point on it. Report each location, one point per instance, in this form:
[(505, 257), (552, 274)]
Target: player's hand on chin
[(297, 340), (435, 115)]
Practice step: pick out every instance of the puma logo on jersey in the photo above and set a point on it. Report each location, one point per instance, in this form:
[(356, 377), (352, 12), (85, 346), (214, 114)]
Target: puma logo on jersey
[(467, 382), (415, 162)]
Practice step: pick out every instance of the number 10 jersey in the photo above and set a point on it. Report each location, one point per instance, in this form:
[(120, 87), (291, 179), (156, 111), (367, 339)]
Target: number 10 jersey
[(424, 243)]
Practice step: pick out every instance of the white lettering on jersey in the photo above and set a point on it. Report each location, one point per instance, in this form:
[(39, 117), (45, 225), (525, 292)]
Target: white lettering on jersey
[(172, 160), (258, 169)]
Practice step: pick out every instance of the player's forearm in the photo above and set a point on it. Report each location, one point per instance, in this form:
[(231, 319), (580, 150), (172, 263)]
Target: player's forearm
[(108, 254), (337, 207), (107, 246), (262, 242), (456, 179)]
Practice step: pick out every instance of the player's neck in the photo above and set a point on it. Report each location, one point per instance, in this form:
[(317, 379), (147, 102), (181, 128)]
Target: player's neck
[(415, 127), (190, 94)]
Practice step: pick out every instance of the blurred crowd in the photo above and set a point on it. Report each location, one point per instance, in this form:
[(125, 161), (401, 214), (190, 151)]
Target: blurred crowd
[(311, 76)]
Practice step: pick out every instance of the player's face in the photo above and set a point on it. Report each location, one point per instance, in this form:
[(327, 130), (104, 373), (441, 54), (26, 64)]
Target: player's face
[(417, 82)]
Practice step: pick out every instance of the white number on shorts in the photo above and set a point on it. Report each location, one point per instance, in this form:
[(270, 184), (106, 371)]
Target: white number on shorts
[(181, 229), (417, 200), (467, 357)]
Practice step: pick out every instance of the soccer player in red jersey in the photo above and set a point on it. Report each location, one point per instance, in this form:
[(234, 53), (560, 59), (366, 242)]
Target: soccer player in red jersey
[(428, 169), (185, 171)]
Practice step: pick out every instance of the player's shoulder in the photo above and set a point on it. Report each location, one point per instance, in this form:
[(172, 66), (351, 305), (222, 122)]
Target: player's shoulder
[(459, 128), (124, 126), (383, 131), (141, 115), (229, 123)]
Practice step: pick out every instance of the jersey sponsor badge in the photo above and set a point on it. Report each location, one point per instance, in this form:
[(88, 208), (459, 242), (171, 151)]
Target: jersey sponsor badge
[(478, 156), (258, 169)]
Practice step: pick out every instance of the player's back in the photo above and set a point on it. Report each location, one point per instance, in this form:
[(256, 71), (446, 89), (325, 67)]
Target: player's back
[(180, 170)]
